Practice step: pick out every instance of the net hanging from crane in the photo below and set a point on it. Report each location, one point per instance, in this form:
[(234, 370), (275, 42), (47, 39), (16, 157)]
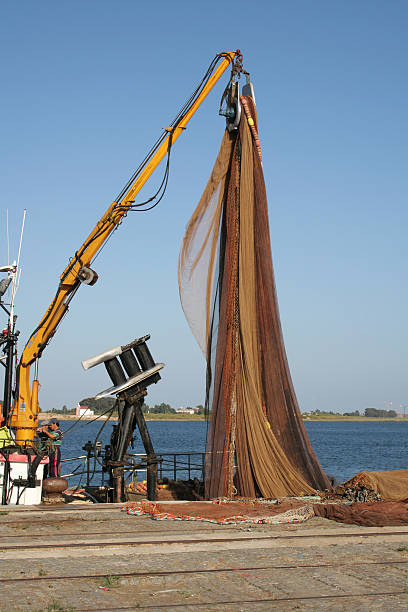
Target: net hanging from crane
[(257, 445)]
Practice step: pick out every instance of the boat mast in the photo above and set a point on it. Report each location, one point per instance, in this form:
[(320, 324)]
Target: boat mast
[(9, 335)]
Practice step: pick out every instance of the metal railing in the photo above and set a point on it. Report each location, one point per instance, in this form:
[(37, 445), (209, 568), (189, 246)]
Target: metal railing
[(174, 466), (184, 466)]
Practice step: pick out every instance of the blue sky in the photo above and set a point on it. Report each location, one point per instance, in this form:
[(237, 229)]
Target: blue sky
[(86, 89)]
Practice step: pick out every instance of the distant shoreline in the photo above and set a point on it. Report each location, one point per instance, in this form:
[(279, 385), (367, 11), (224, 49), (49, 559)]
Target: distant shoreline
[(363, 419), (148, 417), (189, 417)]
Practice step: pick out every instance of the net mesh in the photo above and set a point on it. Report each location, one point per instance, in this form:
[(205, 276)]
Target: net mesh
[(257, 445)]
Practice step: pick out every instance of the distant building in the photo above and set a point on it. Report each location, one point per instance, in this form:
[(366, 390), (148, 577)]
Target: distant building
[(185, 411), (83, 411)]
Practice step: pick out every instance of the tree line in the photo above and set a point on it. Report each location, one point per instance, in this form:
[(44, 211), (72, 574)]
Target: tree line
[(368, 412), (106, 404), (383, 414), (100, 406)]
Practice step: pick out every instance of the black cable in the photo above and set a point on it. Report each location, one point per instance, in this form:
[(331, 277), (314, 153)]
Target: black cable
[(111, 410), (91, 497), (163, 186), (176, 121), (74, 424), (180, 115), (97, 438), (80, 481), (141, 166), (104, 226), (90, 421), (74, 470)]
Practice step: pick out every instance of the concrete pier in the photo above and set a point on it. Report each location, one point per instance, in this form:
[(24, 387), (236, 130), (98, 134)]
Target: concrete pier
[(95, 557)]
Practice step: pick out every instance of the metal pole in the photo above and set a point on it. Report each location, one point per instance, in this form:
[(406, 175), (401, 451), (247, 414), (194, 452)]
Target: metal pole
[(8, 379), (126, 430), (202, 466), (133, 411), (5, 478), (151, 475), (118, 483)]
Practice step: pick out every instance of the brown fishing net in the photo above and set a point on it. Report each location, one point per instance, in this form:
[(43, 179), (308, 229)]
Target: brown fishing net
[(368, 514), (373, 486), (257, 445)]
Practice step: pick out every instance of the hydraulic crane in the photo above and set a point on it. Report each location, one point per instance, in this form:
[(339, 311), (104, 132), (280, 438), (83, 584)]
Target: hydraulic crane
[(23, 414)]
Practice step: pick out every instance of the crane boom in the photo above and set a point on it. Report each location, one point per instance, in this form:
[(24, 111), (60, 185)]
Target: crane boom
[(25, 411)]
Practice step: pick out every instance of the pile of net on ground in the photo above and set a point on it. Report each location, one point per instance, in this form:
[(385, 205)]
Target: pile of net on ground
[(225, 512), (368, 514), (288, 511), (380, 498), (390, 507), (257, 445), (373, 486)]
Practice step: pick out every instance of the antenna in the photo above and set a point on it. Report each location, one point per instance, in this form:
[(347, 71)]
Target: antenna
[(8, 240), (21, 237), (16, 276), (18, 280)]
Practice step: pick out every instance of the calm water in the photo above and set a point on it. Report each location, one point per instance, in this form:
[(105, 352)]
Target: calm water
[(343, 448)]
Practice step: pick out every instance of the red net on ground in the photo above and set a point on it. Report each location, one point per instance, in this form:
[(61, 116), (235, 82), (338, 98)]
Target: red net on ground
[(224, 513)]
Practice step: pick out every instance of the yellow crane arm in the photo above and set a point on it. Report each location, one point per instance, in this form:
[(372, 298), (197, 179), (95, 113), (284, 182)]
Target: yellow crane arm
[(25, 411)]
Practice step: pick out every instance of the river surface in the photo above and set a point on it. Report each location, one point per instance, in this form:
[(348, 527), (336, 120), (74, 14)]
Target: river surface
[(343, 448)]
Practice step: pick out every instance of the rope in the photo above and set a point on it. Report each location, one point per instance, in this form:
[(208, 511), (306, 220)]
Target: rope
[(252, 125)]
